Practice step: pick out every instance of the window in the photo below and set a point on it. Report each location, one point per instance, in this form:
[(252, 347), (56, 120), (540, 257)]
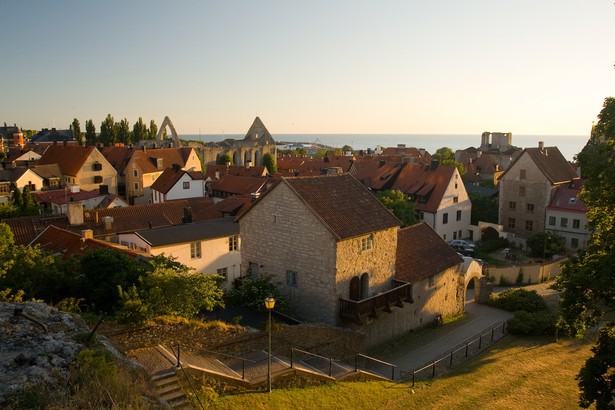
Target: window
[(529, 225), (564, 222), (455, 199), (233, 243), (512, 205), (291, 278), (459, 215), (186, 184), (98, 179), (522, 174), (511, 223), (367, 243), (576, 223), (97, 166), (432, 281), (135, 173), (574, 243), (552, 221), (454, 235), (530, 208), (136, 185), (195, 250), (445, 218), (521, 191), (223, 272), (455, 185)]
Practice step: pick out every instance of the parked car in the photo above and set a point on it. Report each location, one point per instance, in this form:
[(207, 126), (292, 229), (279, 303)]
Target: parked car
[(461, 245)]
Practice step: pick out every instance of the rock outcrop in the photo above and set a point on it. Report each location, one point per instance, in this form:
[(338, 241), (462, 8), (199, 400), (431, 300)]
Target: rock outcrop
[(37, 346)]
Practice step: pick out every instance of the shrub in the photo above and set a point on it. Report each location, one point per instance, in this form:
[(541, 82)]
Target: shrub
[(536, 323), (253, 291), (72, 305), (514, 300)]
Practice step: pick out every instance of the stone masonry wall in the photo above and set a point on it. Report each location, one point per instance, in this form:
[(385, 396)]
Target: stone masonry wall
[(378, 262), (280, 233)]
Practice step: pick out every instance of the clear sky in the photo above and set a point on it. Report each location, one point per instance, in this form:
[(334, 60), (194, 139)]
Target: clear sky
[(408, 66)]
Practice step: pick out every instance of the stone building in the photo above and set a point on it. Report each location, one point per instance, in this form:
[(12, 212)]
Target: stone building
[(334, 248), (527, 187)]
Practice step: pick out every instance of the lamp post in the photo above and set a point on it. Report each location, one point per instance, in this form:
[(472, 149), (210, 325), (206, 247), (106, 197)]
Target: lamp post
[(269, 304)]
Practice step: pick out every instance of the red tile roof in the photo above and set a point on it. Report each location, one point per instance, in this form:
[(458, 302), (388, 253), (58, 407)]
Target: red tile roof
[(426, 182), (118, 157), (375, 174), (551, 162), (237, 170), (62, 196), (235, 185), (421, 253), (345, 206), (147, 160), (169, 178), (566, 198), (70, 157)]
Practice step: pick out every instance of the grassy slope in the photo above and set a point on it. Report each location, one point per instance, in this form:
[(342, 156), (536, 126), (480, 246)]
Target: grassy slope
[(517, 373)]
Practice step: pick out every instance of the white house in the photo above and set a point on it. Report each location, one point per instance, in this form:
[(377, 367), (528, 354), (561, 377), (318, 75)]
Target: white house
[(175, 183), (209, 247), (566, 216)]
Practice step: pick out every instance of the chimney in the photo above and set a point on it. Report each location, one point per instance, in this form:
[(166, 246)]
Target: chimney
[(422, 152), (479, 153), (176, 167), (255, 196), (160, 163), (187, 219), (75, 213), (108, 221), (434, 164), (217, 174), (401, 146), (541, 145), (87, 234)]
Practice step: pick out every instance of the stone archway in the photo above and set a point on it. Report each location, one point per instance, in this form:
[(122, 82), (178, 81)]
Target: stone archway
[(258, 157), (247, 156), (237, 157), (482, 288), (489, 233), (167, 122)]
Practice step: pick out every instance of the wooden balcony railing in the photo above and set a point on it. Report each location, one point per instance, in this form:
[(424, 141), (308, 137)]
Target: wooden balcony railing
[(358, 310)]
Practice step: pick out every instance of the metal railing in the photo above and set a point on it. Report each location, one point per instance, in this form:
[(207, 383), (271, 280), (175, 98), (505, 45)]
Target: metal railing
[(457, 356)]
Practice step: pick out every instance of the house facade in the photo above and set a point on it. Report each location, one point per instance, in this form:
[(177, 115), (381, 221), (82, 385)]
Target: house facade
[(178, 184), (527, 187), (566, 216), (209, 247), (83, 166)]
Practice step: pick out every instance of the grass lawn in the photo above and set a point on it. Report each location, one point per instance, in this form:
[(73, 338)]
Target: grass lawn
[(517, 373)]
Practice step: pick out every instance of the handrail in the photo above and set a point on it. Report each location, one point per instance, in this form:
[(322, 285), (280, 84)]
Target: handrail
[(381, 362), (191, 385)]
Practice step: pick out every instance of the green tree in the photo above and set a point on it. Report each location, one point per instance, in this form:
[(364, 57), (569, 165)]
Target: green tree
[(347, 148), (396, 201), (17, 199), (153, 130), (7, 241), (269, 163), (587, 281), (484, 208), (108, 132), (320, 153), (90, 133), (26, 198), (123, 132), (446, 156), (224, 159), (76, 128), (254, 290), (139, 130), (546, 244)]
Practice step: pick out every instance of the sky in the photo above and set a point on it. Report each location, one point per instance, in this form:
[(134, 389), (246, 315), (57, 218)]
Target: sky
[(344, 66)]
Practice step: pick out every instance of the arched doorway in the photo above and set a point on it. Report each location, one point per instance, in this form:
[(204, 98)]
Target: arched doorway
[(355, 288), (237, 158), (488, 234), (364, 286)]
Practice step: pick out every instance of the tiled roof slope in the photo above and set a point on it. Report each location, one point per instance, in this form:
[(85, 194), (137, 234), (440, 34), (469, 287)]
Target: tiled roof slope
[(237, 170), (345, 206), (551, 161), (48, 171), (118, 157), (169, 178), (421, 252), (70, 157), (239, 185), (374, 174), (424, 181), (169, 156), (60, 241), (566, 198)]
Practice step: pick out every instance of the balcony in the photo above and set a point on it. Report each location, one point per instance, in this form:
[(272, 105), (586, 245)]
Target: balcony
[(359, 310)]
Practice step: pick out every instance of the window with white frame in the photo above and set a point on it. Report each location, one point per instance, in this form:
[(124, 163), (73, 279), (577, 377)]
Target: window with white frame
[(233, 243), (195, 250), (367, 243), (186, 184)]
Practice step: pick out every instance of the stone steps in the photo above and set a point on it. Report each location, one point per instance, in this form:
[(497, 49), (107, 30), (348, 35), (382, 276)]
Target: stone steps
[(170, 390)]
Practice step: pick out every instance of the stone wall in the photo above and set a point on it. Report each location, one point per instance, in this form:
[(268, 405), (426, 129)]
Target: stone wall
[(443, 296), (537, 193), (280, 233), (378, 262), (530, 273)]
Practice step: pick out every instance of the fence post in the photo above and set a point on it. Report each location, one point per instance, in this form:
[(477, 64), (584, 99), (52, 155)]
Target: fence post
[(433, 370), (330, 366), (413, 373), (492, 332), (392, 372), (356, 362), (467, 345), (291, 356), (243, 369), (480, 341), (451, 363), (178, 361)]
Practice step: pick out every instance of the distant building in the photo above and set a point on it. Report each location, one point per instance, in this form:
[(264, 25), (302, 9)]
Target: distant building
[(10, 137)]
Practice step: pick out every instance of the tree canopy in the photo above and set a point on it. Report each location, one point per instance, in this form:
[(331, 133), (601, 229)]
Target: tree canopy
[(90, 133), (446, 156), (396, 201), (76, 128), (269, 163), (587, 281), (546, 244)]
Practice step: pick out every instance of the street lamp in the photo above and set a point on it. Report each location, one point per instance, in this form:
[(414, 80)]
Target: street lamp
[(269, 304)]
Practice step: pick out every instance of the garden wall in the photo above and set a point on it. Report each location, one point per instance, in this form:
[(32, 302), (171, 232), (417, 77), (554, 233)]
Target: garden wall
[(525, 274)]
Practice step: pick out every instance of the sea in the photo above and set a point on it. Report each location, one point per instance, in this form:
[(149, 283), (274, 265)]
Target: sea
[(569, 145)]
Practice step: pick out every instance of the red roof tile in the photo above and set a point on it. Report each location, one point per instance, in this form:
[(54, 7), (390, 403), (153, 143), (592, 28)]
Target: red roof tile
[(70, 157), (421, 253), (424, 181)]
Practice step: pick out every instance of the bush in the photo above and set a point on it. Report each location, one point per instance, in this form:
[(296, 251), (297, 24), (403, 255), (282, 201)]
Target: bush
[(514, 300), (536, 323), (253, 291), (494, 244)]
